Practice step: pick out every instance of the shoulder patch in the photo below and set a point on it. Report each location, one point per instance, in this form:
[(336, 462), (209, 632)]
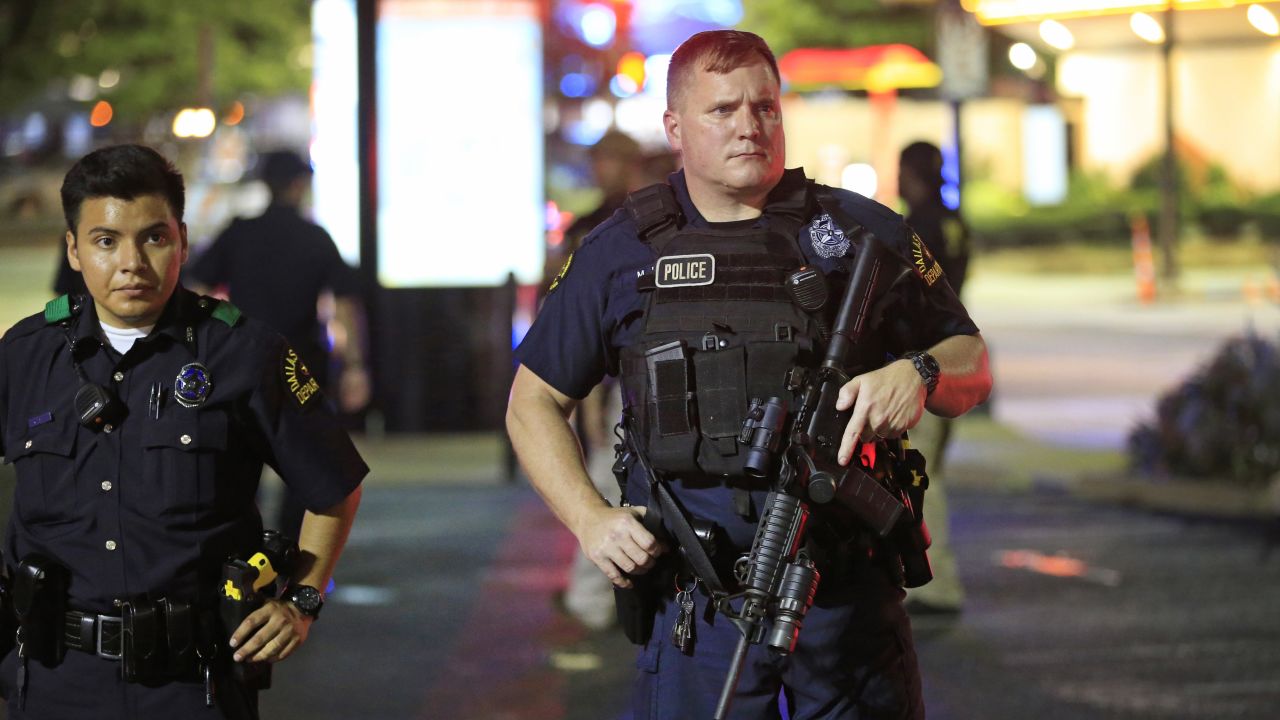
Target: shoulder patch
[(298, 382), (58, 309), (227, 313), (922, 261), (564, 270)]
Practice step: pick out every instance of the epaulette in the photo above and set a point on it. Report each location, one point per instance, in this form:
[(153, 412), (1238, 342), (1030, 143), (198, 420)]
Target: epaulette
[(58, 309), (227, 313)]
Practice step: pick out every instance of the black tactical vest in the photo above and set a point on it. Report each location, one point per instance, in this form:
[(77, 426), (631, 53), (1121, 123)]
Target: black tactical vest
[(719, 330)]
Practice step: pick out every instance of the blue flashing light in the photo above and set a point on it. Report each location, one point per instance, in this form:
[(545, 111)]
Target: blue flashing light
[(951, 177), (622, 86), (598, 25), (577, 85)]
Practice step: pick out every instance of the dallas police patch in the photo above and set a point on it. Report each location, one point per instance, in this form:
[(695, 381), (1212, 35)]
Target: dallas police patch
[(564, 270), (923, 263), (297, 379), (828, 240)]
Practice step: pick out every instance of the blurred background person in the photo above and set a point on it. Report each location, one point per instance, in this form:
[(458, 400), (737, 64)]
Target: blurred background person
[(944, 232), (276, 267)]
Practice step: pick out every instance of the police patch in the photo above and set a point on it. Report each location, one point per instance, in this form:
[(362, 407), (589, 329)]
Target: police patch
[(828, 240), (685, 270), (297, 378), (923, 263), (564, 270), (193, 385)]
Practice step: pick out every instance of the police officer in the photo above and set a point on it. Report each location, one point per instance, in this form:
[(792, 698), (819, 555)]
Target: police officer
[(945, 233), (693, 337), (138, 419), (275, 267)]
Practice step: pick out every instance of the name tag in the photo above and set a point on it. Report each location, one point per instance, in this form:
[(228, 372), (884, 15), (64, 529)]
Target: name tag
[(685, 271)]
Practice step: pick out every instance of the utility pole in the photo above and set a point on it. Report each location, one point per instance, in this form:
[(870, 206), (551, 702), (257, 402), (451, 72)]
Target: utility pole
[(1168, 225)]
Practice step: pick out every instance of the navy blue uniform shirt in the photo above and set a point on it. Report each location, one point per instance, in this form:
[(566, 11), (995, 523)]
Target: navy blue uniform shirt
[(275, 266), (156, 505), (595, 310)]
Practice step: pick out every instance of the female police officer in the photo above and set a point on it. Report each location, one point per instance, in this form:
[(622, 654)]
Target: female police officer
[(138, 420), (855, 658)]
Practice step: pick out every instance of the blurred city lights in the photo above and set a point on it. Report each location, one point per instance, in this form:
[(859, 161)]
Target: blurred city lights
[(1000, 12), (622, 86), (82, 88), (655, 73), (101, 114), (194, 123), (108, 79), (598, 24), (1264, 20), (860, 178), (632, 66), (1022, 56), (1057, 35), (577, 85), (1147, 28), (234, 114)]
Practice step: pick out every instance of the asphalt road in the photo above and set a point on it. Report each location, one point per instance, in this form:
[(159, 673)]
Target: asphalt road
[(1076, 611)]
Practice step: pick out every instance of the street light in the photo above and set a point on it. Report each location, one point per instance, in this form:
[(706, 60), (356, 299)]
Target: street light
[(194, 123)]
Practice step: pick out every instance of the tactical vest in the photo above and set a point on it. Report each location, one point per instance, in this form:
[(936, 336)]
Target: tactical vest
[(719, 329)]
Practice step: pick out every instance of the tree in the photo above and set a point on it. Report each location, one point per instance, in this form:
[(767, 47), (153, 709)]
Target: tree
[(791, 24), (155, 47)]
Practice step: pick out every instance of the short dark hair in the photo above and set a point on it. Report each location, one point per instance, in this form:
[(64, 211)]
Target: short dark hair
[(279, 168), (717, 51), (925, 160), (121, 171)]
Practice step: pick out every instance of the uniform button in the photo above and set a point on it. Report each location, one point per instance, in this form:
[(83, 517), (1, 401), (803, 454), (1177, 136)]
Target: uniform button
[(106, 486), (204, 303), (119, 376), (110, 544), (108, 428), (185, 439), (28, 445)]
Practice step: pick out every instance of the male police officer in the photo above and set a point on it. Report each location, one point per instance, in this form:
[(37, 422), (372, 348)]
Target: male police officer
[(138, 420), (628, 292)]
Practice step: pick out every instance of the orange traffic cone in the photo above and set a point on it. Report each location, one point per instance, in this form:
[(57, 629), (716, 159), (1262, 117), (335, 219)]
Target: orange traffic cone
[(1144, 267)]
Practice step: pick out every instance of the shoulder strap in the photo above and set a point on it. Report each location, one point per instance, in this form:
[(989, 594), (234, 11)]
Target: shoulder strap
[(226, 312), (656, 213), (791, 206), (58, 309)]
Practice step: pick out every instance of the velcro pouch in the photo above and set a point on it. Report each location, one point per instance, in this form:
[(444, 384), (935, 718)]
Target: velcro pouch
[(40, 602)]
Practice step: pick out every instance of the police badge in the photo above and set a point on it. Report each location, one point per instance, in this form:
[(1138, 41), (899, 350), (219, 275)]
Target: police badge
[(828, 240), (192, 386)]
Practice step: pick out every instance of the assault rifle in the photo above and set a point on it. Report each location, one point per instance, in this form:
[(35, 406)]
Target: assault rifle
[(778, 578)]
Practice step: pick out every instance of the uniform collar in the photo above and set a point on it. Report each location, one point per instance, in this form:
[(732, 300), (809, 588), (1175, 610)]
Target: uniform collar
[(177, 321), (790, 196)]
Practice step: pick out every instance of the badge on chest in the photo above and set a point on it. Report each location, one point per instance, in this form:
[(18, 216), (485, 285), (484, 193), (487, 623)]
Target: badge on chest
[(685, 270)]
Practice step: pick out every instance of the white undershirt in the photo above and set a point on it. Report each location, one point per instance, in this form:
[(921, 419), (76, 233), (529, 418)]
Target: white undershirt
[(123, 338)]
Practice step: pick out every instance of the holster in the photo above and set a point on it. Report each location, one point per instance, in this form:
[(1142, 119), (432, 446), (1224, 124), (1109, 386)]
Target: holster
[(39, 602), (142, 654), (636, 607)]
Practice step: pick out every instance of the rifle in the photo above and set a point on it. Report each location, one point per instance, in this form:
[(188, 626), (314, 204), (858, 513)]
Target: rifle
[(778, 577)]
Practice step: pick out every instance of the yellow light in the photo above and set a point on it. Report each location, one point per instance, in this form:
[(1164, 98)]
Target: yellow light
[(194, 123), (1147, 28), (632, 66), (1022, 56), (1264, 20), (1057, 35), (1001, 12)]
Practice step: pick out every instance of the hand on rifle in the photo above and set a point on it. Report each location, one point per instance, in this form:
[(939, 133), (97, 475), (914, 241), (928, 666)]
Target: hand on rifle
[(886, 403), (616, 541)]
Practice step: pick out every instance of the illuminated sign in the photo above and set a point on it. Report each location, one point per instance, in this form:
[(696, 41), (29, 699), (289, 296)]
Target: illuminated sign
[(1000, 12)]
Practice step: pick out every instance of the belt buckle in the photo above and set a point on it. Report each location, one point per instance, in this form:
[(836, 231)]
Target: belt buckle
[(102, 621)]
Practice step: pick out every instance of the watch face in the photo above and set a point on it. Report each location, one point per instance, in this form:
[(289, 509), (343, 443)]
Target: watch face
[(307, 599)]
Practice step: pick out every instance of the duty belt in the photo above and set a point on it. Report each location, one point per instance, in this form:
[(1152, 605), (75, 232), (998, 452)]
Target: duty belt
[(95, 634)]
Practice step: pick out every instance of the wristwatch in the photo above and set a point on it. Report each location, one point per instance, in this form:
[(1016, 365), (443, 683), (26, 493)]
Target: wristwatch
[(307, 599), (928, 368)]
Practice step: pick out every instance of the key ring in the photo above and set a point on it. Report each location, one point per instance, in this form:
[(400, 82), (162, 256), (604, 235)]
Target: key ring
[(685, 591)]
